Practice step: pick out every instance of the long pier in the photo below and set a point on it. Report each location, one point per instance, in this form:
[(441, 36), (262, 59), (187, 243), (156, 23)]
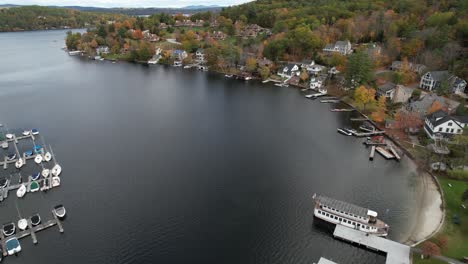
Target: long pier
[(367, 134), (396, 253), (372, 153), (31, 231)]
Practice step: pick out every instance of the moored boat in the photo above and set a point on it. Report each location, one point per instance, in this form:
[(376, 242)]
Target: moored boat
[(34, 186), (26, 132), (19, 163), (35, 176), (3, 182), (344, 131), (60, 211), (45, 173), (348, 215), (28, 153), (56, 170), (9, 136), (12, 246), (22, 224), (34, 131), (4, 144), (11, 156), (21, 191), (47, 156), (228, 75), (35, 220), (38, 159), (38, 149), (55, 181), (9, 229)]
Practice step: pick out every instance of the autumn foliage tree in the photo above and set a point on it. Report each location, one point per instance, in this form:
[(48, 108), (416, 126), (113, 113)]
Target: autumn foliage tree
[(250, 64), (408, 121), (364, 97), (430, 249), (379, 114), (442, 241), (137, 34), (435, 106)]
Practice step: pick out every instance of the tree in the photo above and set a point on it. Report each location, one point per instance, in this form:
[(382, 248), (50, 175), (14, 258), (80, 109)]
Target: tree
[(264, 72), (364, 97), (443, 87), (442, 241), (435, 106), (358, 69), (102, 31), (430, 249), (304, 76), (137, 34), (250, 64), (416, 94), (408, 121), (379, 114)]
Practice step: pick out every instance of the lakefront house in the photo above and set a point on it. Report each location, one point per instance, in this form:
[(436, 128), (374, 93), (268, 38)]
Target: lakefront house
[(102, 50), (342, 47), (200, 56), (440, 124), (179, 54), (289, 71), (433, 79)]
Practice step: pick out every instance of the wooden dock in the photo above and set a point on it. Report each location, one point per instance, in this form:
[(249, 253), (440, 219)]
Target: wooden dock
[(368, 134), (372, 153), (31, 231), (394, 152), (385, 153), (358, 119), (396, 253)]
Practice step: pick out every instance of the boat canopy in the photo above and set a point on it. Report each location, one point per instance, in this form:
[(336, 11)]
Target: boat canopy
[(12, 243), (371, 213)]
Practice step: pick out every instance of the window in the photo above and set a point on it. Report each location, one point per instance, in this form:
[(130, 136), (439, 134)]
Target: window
[(451, 130), (440, 129), (450, 124), (340, 219), (447, 129), (458, 130)]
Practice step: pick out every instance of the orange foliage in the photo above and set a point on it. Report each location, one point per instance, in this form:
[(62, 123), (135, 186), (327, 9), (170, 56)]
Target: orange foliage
[(137, 34), (430, 249), (435, 106)]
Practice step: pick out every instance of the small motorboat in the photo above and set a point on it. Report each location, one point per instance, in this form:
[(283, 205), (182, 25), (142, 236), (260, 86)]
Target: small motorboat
[(56, 170), (28, 153), (55, 181), (11, 156), (12, 246), (4, 144), (9, 229), (60, 211), (34, 186), (228, 75), (45, 185), (26, 132), (34, 131), (35, 176), (38, 149), (19, 163), (45, 173), (3, 182), (47, 156), (9, 136), (21, 191), (23, 224), (344, 132), (38, 159), (35, 219)]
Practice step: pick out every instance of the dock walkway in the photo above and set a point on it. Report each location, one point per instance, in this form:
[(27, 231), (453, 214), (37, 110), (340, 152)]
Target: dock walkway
[(323, 260), (396, 253)]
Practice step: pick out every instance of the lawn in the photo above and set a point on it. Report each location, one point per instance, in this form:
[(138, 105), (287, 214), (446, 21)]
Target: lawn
[(417, 260), (389, 76)]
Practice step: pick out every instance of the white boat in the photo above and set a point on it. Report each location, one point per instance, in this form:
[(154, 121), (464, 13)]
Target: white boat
[(38, 159), (23, 224), (34, 131), (344, 132), (26, 132), (9, 229), (45, 173), (56, 170), (74, 53), (228, 75), (248, 78), (60, 211), (19, 163), (348, 215), (55, 181), (21, 191), (187, 66), (13, 246), (47, 156), (9, 136), (4, 144)]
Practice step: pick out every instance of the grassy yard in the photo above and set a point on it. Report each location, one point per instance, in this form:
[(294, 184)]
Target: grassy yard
[(417, 260), (389, 76)]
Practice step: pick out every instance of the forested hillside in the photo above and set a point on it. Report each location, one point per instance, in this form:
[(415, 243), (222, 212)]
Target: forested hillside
[(38, 18)]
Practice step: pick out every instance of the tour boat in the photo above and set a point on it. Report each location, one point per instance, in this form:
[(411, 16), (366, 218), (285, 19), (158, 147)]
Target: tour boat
[(348, 215), (11, 156), (34, 186), (35, 176), (19, 163), (34, 131), (56, 170), (12, 246), (28, 153), (47, 156), (9, 229), (344, 132), (35, 219), (38, 159), (9, 136), (26, 132), (23, 224), (3, 182), (21, 191), (45, 173), (60, 211), (55, 181), (4, 144)]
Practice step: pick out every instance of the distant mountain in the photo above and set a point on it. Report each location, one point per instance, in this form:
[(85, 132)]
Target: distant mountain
[(195, 7)]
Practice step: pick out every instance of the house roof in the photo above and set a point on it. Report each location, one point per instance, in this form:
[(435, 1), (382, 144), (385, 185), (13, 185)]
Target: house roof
[(439, 75), (329, 46), (342, 43), (342, 206), (177, 51), (462, 119), (386, 87), (200, 50), (440, 117), (426, 101)]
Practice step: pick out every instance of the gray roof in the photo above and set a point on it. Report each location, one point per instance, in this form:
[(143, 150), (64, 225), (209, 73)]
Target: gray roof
[(439, 75), (342, 206), (426, 101), (462, 119), (329, 46), (342, 43), (386, 87)]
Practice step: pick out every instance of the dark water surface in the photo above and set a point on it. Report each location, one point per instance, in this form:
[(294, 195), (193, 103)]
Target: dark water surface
[(165, 165)]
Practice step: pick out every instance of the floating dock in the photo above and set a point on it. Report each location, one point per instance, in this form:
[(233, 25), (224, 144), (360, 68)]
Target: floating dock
[(394, 152), (314, 96), (368, 134), (385, 153), (372, 153), (323, 260), (358, 119), (31, 231), (396, 253)]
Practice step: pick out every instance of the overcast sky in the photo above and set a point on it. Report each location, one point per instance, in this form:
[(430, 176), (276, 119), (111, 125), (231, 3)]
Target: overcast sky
[(125, 3)]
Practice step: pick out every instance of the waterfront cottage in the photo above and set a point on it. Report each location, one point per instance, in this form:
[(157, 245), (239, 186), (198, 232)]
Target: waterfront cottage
[(342, 47), (200, 56), (387, 90), (440, 124), (149, 36), (102, 50), (312, 67), (417, 68), (402, 94), (289, 71), (179, 54), (433, 79)]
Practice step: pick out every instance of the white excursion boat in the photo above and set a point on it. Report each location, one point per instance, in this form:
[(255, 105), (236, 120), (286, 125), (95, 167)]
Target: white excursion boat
[(348, 215), (56, 170), (38, 159), (45, 173), (19, 163), (23, 224), (47, 156), (55, 181), (344, 132), (60, 211), (21, 191)]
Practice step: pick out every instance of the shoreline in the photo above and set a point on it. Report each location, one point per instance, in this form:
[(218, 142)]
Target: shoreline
[(430, 214)]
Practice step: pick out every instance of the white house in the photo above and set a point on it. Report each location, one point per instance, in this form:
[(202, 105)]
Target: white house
[(433, 79), (289, 71), (102, 50), (200, 55), (387, 90), (342, 47), (440, 124), (315, 83), (179, 54), (312, 67), (457, 85)]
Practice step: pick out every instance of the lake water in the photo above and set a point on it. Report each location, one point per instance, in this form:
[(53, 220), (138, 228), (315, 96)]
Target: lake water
[(166, 165)]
